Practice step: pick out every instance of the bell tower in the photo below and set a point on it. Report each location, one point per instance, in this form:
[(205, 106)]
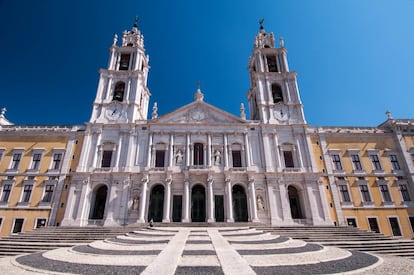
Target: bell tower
[(273, 95), (122, 95)]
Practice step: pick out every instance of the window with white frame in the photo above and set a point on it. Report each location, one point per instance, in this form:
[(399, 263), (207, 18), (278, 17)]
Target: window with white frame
[(160, 155), (27, 192), (376, 164), (57, 161), (36, 158), (289, 155), (16, 158), (236, 155), (365, 195), (394, 162), (385, 192), (47, 197), (405, 194), (106, 158), (6, 190), (336, 160), (2, 153), (345, 196), (356, 162)]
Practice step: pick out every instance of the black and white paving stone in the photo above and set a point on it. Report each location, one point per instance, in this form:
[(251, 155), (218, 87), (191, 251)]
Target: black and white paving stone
[(207, 250)]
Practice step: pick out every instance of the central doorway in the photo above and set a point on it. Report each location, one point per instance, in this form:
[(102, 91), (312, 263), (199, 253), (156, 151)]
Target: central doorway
[(198, 204), (294, 201), (156, 205), (239, 204), (99, 201)]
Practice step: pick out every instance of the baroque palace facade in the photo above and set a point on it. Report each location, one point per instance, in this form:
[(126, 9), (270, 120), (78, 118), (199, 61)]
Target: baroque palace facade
[(202, 164)]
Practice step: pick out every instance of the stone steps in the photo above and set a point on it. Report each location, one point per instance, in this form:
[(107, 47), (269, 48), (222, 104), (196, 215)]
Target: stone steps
[(48, 238), (348, 238)]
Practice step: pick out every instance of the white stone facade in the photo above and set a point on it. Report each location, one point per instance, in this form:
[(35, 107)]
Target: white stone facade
[(197, 163)]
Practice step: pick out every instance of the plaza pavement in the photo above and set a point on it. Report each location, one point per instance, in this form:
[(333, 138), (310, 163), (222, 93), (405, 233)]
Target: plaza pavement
[(203, 250)]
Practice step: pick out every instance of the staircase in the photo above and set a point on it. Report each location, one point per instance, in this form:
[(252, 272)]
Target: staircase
[(48, 238), (348, 238)]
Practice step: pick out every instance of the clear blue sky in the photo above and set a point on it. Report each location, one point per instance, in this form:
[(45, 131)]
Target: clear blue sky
[(354, 58)]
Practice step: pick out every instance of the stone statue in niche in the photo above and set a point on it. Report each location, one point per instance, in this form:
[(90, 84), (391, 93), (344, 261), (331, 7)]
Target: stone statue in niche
[(135, 203), (179, 157), (217, 157), (260, 204)]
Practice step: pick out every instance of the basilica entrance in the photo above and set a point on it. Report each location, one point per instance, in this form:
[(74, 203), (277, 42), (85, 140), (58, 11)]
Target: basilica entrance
[(98, 203), (198, 204), (239, 204), (294, 201), (156, 204)]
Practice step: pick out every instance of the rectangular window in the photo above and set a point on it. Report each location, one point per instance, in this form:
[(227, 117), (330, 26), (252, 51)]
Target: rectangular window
[(351, 222), (57, 159), (385, 193), (344, 193), (356, 162), (375, 162), (48, 193), (16, 161), (394, 162), (36, 161), (411, 223), (373, 225), (336, 159), (395, 227), (404, 192), (106, 158), (6, 192), (236, 155), (124, 62), (27, 192), (18, 225), (271, 63), (40, 223), (288, 156), (365, 193), (159, 158)]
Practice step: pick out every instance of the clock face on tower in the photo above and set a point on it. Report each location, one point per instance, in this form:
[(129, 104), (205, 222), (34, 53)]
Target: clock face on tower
[(113, 111)]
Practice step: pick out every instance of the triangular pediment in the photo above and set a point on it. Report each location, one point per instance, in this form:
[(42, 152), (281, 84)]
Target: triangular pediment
[(199, 112)]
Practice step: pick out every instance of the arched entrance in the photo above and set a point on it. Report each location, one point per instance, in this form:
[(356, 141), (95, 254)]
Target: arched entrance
[(156, 204), (294, 200), (239, 204), (99, 201), (198, 204)]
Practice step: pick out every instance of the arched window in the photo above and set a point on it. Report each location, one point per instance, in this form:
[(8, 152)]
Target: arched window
[(277, 93), (119, 91), (124, 62)]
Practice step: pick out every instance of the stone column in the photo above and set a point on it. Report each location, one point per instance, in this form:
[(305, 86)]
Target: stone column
[(149, 151), (252, 200), (143, 202), (167, 199), (186, 205), (187, 151), (226, 153), (247, 149), (97, 137), (284, 199), (210, 203), (209, 150), (171, 149), (229, 200), (277, 153), (299, 153), (119, 149)]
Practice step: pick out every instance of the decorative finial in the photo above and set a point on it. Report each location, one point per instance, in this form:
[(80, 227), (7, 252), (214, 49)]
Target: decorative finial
[(3, 111), (282, 42), (136, 22), (389, 116), (242, 111), (154, 111), (261, 24), (198, 96), (115, 39)]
